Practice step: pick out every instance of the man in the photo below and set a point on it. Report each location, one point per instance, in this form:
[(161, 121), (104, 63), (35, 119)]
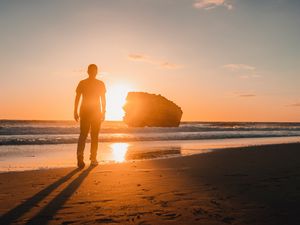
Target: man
[(92, 113)]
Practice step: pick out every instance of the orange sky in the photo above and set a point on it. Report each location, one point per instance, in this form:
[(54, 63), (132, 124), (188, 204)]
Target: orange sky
[(219, 61)]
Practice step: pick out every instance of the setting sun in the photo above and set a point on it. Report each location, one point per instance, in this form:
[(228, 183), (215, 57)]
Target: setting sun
[(116, 98)]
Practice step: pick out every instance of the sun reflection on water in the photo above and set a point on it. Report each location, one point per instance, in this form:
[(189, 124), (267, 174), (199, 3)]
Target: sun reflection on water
[(119, 151)]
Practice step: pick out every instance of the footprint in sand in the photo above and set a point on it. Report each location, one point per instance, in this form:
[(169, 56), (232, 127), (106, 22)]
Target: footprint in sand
[(164, 203), (69, 222), (213, 201), (168, 215), (198, 211), (143, 223), (106, 220), (228, 219), (149, 198)]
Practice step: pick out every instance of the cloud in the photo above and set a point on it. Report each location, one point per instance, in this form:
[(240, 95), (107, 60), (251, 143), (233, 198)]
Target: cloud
[(168, 65), (294, 105), (210, 4), (140, 57), (148, 59), (243, 70), (136, 56), (247, 95), (239, 67)]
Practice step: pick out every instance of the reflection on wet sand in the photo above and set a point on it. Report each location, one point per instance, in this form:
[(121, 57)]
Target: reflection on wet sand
[(33, 157), (152, 154), (121, 152)]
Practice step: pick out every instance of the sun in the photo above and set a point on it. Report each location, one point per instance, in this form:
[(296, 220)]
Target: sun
[(115, 99)]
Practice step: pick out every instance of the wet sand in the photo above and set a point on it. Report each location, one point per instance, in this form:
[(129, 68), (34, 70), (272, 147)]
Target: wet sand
[(252, 185)]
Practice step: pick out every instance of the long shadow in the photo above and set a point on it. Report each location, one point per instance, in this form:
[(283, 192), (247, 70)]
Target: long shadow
[(26, 206), (48, 212)]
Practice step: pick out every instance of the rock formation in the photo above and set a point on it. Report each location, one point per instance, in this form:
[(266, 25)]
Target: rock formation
[(144, 109)]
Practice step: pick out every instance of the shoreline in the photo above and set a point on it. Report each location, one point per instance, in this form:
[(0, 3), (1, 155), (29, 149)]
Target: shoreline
[(44, 157), (209, 151)]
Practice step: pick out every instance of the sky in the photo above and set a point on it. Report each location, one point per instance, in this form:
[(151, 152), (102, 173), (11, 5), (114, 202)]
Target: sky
[(219, 60)]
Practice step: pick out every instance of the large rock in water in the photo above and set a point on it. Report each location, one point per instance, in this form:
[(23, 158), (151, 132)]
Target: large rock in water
[(144, 109)]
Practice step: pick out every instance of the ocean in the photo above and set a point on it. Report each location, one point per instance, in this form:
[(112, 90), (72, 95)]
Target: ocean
[(17, 132), (46, 144)]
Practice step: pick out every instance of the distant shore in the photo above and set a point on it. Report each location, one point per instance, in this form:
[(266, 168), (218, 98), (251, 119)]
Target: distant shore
[(251, 185)]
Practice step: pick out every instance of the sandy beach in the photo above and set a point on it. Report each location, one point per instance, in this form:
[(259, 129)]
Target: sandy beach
[(252, 185)]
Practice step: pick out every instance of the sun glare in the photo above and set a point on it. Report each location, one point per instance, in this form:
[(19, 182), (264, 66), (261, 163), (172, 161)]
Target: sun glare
[(115, 99), (119, 151)]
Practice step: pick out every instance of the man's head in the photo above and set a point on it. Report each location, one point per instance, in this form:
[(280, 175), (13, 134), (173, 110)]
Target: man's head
[(92, 70)]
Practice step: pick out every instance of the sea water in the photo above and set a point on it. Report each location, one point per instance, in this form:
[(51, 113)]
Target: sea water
[(28, 145)]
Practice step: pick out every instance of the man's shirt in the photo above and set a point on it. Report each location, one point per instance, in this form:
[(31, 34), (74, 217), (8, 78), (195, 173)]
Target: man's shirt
[(91, 91)]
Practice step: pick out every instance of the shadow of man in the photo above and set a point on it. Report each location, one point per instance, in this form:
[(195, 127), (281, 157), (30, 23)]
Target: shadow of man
[(48, 212), (26, 206)]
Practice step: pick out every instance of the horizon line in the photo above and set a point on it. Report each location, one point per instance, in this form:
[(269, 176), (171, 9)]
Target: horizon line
[(184, 121)]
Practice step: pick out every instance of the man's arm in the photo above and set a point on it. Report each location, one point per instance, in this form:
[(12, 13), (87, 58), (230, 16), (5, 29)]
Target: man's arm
[(77, 98), (103, 106)]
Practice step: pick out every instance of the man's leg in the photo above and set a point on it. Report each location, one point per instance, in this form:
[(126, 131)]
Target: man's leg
[(84, 130), (95, 127)]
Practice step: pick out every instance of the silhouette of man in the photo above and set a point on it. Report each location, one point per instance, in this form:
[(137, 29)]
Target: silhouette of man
[(91, 114)]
